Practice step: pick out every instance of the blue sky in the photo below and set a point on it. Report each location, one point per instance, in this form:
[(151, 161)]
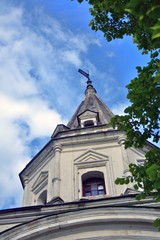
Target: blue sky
[(43, 43)]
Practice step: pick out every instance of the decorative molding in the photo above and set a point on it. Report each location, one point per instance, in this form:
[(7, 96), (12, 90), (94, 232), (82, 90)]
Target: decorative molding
[(93, 161), (88, 114), (57, 147), (41, 182), (55, 179), (91, 156), (121, 139), (26, 180), (55, 200)]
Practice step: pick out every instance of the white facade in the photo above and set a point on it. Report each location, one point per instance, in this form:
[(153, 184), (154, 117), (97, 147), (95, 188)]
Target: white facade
[(69, 189), (58, 170)]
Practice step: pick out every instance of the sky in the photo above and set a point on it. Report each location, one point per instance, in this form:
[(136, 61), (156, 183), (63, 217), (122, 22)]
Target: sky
[(43, 43)]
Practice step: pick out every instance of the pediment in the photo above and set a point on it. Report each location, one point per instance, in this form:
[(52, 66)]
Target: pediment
[(60, 128), (88, 114), (40, 182), (55, 200), (131, 191), (90, 156)]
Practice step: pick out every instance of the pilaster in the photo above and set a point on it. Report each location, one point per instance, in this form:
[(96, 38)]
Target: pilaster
[(56, 177), (121, 141), (26, 191)]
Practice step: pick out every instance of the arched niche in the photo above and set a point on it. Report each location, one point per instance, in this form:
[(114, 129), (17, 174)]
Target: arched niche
[(42, 199)]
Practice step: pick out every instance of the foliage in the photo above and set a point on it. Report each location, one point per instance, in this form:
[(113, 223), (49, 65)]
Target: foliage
[(141, 121), (141, 20), (146, 177)]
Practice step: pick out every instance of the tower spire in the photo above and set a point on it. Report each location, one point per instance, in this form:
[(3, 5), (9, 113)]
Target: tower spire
[(89, 89)]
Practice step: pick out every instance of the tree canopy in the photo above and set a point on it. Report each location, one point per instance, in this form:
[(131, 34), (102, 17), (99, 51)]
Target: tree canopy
[(139, 19)]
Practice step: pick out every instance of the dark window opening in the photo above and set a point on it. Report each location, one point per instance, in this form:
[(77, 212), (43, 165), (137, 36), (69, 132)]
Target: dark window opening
[(42, 199), (93, 187), (88, 123)]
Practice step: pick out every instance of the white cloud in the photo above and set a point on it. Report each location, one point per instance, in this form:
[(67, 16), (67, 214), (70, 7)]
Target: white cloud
[(35, 113), (31, 80), (72, 57), (40, 121), (110, 54), (119, 108)]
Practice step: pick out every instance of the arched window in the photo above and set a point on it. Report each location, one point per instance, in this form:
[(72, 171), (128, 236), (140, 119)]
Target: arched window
[(93, 184), (93, 187), (42, 199)]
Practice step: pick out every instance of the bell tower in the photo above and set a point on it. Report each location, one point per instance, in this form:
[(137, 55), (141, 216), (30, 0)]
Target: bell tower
[(81, 160)]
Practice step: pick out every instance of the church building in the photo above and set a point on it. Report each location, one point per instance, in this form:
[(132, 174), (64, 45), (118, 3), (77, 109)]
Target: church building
[(69, 185)]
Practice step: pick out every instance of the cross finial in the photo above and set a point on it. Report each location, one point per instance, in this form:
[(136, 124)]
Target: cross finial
[(89, 82), (84, 73)]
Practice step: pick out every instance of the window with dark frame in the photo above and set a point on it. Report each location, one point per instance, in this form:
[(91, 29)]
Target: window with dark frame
[(88, 123), (93, 187)]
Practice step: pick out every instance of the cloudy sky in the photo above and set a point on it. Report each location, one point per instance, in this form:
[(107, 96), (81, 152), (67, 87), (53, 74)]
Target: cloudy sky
[(43, 43)]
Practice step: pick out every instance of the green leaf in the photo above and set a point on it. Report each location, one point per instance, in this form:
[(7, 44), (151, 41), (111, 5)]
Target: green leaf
[(156, 185), (141, 196), (156, 223), (135, 186), (155, 54)]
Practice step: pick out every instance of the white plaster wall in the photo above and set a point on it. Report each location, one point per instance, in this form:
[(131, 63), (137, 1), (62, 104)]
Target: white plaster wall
[(113, 165), (69, 178)]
